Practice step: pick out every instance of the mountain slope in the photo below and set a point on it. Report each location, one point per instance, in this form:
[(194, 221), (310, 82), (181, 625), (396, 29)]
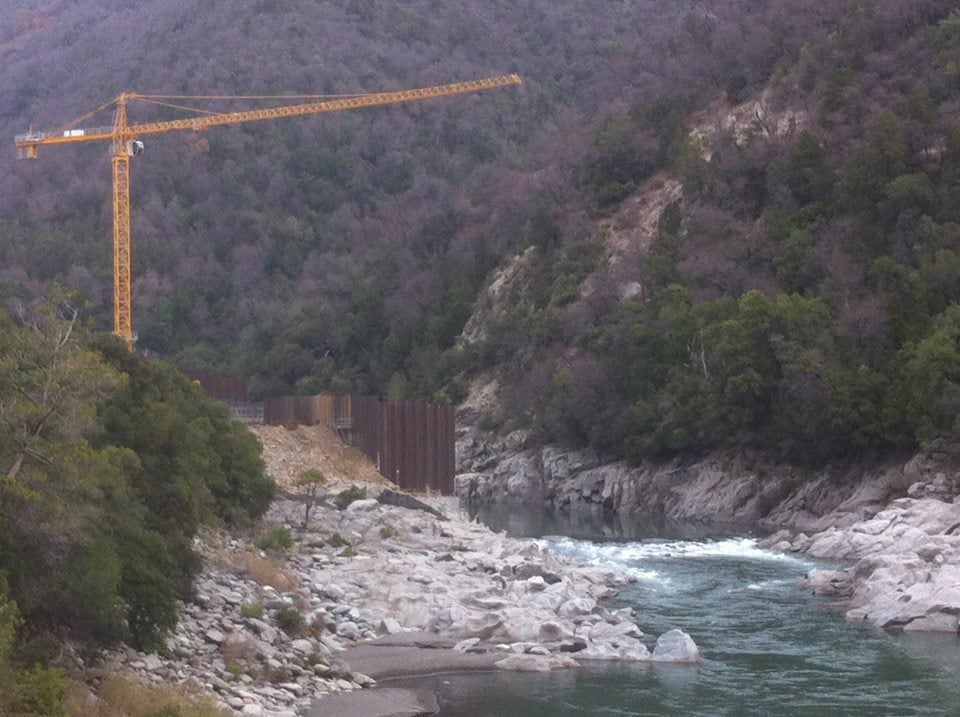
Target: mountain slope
[(798, 294), (344, 250)]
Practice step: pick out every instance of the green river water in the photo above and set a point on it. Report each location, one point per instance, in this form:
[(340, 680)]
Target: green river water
[(768, 646)]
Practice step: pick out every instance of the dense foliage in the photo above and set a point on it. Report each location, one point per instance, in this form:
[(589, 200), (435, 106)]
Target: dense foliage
[(341, 251), (798, 298), (801, 298), (109, 463)]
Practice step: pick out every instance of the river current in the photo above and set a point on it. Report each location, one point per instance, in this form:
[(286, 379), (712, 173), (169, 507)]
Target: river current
[(768, 646)]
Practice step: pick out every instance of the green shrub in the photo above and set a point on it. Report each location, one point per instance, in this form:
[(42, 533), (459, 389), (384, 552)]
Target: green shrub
[(337, 541), (252, 610), (346, 497), (38, 691), (310, 482), (388, 531), (289, 620), (278, 538)]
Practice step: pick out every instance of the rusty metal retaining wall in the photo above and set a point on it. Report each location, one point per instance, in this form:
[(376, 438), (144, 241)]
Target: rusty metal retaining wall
[(298, 410), (411, 442)]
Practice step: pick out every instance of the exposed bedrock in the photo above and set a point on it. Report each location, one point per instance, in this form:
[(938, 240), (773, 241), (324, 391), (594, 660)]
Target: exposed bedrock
[(720, 488)]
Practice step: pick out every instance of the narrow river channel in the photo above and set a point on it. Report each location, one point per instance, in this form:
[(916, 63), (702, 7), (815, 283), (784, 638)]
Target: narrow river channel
[(768, 646)]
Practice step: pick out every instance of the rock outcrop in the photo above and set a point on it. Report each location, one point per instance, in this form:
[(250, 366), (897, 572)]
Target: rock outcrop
[(728, 489), (907, 570)]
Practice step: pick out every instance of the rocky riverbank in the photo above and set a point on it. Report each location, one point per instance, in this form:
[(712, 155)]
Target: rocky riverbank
[(906, 574), (270, 632), (898, 520)]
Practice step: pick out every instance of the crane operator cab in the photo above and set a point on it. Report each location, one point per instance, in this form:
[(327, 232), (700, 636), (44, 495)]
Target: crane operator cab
[(134, 148)]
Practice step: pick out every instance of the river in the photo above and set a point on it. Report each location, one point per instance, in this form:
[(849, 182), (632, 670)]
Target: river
[(768, 646)]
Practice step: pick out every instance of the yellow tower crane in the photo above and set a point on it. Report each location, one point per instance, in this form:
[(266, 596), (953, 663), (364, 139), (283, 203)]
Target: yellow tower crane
[(125, 142)]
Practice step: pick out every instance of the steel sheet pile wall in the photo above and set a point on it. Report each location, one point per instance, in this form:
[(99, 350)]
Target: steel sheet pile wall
[(365, 430), (417, 446), (411, 442), (300, 410)]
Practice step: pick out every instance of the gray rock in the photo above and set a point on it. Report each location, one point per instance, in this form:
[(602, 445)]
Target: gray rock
[(829, 583), (364, 505), (448, 618), (676, 646), (292, 687), (536, 583), (605, 632), (152, 663), (575, 645), (576, 606), (348, 630), (330, 590), (529, 570), (363, 680), (302, 646), (549, 600), (402, 500), (467, 645), (390, 626), (938, 622), (554, 632), (536, 663), (232, 598), (331, 643), (214, 636)]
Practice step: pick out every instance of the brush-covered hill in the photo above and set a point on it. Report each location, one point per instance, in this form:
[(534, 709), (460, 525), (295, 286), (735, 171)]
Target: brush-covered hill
[(345, 251), (695, 225), (785, 277)]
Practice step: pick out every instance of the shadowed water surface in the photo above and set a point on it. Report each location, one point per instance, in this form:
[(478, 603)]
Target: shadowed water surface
[(769, 647)]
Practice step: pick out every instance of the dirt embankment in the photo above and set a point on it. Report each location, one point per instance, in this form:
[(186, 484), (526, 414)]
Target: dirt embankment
[(288, 453)]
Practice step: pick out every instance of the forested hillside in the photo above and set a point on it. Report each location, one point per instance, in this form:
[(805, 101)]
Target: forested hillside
[(344, 251), (796, 294), (799, 293)]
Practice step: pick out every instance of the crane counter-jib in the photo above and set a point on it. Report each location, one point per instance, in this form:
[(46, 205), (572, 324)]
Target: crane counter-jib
[(67, 136)]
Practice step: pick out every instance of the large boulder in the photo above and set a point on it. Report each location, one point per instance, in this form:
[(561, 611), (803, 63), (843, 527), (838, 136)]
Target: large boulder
[(676, 646)]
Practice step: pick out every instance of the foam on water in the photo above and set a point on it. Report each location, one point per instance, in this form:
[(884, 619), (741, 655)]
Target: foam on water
[(625, 555)]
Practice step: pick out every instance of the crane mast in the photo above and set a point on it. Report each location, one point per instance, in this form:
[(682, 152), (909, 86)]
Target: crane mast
[(124, 139), (122, 239)]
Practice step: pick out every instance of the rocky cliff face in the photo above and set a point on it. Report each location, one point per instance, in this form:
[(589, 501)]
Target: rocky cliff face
[(724, 488)]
